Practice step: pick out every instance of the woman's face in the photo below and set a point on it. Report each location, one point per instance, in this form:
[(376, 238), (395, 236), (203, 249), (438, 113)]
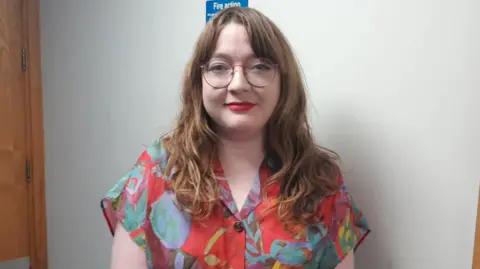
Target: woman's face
[(239, 91)]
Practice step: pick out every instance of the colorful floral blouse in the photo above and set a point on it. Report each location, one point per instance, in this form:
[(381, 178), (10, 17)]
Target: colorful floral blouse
[(230, 238)]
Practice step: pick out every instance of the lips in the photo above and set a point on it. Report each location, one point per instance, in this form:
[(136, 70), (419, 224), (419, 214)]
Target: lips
[(240, 106)]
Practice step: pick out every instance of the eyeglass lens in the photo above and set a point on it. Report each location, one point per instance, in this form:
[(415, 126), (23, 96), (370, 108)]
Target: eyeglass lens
[(258, 72)]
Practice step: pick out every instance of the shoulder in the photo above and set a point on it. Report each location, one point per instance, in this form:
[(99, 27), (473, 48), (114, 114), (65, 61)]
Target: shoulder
[(154, 154), (345, 224), (148, 164), (131, 195), (153, 159), (339, 205), (134, 200)]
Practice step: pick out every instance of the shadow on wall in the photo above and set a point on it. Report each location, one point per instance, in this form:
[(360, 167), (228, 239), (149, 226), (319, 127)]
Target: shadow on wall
[(362, 148)]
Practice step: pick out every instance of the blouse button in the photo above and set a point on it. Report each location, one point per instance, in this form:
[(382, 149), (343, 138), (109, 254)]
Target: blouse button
[(238, 227)]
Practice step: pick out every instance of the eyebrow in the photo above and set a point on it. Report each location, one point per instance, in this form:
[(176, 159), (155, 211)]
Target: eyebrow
[(227, 56)]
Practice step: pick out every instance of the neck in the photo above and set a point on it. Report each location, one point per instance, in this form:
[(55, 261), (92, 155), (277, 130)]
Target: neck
[(233, 150)]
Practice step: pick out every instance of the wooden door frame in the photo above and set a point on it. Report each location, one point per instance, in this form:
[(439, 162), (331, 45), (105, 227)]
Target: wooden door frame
[(35, 136), (476, 247)]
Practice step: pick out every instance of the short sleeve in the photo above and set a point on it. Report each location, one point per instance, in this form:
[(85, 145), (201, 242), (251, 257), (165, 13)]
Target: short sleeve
[(127, 201), (346, 226)]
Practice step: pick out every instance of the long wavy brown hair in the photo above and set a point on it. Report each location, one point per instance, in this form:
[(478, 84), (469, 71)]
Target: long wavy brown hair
[(306, 172)]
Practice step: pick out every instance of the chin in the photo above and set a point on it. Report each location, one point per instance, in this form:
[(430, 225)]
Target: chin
[(243, 126)]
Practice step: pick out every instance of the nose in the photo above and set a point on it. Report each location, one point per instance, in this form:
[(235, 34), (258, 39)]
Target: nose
[(239, 81)]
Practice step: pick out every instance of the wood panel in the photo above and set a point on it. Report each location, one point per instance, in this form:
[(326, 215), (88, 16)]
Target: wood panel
[(476, 248), (14, 190), (22, 202), (38, 223)]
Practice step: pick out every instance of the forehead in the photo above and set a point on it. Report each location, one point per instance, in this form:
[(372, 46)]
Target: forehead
[(233, 43)]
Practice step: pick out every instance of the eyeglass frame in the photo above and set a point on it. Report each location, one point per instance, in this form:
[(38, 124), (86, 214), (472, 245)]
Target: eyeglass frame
[(275, 65)]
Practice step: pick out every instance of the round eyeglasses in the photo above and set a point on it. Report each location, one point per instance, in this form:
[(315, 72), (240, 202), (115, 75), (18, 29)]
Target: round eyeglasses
[(258, 72)]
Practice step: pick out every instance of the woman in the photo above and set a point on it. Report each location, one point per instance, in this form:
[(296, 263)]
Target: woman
[(240, 182)]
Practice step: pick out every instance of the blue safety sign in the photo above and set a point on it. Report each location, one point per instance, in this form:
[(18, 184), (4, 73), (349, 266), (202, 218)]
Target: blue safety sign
[(215, 6)]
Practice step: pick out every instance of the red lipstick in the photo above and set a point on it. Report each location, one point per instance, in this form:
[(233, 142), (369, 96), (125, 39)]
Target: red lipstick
[(240, 106)]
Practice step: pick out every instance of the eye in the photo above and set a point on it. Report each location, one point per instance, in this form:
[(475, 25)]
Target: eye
[(218, 67), (260, 65)]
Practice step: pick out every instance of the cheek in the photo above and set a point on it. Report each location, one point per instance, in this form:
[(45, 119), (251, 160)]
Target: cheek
[(271, 96), (212, 99)]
